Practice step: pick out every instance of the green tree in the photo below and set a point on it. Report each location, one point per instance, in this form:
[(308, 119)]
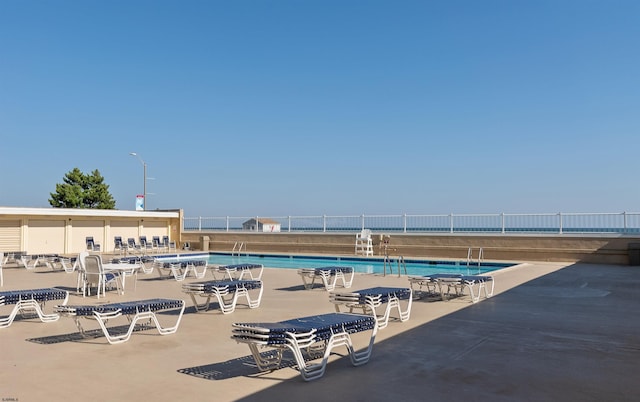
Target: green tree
[(81, 190)]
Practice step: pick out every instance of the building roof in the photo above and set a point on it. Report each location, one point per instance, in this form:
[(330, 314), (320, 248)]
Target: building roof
[(87, 212), (263, 221)]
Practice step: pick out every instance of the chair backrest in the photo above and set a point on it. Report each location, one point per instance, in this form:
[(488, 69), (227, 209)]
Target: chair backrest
[(90, 242), (143, 241), (81, 258), (92, 268), (156, 241), (365, 234), (131, 242), (117, 240)]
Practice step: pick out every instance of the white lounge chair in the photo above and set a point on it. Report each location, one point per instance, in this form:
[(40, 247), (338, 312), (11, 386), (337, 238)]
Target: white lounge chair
[(31, 301), (451, 284), (133, 310), (372, 300), (181, 269), (328, 275), (28, 261), (227, 292), (309, 338), (66, 264), (238, 271)]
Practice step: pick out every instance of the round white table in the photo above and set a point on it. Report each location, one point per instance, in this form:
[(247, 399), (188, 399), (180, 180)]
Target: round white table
[(124, 269)]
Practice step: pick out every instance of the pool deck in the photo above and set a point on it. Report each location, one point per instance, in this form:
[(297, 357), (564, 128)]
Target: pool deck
[(551, 332)]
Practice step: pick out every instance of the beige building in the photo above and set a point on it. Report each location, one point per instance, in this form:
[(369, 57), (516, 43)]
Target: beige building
[(64, 231)]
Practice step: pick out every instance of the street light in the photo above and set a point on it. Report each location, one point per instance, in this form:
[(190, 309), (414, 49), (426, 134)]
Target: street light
[(144, 171)]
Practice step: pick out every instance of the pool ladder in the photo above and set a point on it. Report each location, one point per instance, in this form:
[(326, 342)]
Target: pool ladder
[(470, 258), (237, 248), (389, 260)]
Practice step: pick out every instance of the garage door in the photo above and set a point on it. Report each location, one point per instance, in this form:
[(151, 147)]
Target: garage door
[(45, 237), (81, 229), (151, 229), (10, 235)]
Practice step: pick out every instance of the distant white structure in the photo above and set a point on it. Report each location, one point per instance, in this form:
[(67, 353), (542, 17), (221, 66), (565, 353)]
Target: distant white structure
[(265, 225)]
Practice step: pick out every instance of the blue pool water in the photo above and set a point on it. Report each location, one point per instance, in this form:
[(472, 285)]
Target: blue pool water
[(362, 265)]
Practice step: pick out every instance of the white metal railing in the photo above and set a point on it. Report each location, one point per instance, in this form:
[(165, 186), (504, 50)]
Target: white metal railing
[(552, 223)]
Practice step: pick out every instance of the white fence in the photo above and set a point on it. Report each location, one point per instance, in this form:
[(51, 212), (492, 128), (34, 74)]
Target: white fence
[(551, 223)]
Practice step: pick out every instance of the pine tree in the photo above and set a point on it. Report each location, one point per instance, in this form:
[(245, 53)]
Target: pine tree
[(81, 190)]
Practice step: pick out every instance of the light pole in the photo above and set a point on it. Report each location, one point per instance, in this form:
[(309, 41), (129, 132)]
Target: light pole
[(144, 172)]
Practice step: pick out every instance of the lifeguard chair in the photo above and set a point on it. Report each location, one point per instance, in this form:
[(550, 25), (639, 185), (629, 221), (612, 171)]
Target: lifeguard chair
[(364, 243)]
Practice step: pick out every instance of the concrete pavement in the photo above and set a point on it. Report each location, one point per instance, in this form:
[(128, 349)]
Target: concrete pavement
[(552, 332)]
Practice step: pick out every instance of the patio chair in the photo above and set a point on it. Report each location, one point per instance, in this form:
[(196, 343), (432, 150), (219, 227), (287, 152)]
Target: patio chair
[(118, 245), (79, 266), (145, 245), (95, 275), (132, 246), (4, 258), (91, 244), (171, 245), (364, 243)]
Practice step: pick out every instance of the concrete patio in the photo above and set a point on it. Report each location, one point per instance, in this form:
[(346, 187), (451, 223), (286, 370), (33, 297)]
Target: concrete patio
[(551, 332)]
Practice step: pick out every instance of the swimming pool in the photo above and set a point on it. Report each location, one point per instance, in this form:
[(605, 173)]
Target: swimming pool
[(362, 265)]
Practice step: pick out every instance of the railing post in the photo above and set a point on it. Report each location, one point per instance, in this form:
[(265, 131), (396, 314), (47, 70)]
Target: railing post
[(624, 219), (227, 220), (324, 223), (199, 224), (404, 223), (560, 221), (450, 223), (502, 218), (289, 220), (257, 223)]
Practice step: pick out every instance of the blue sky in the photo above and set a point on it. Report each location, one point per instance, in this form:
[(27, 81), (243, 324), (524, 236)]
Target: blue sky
[(293, 107)]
